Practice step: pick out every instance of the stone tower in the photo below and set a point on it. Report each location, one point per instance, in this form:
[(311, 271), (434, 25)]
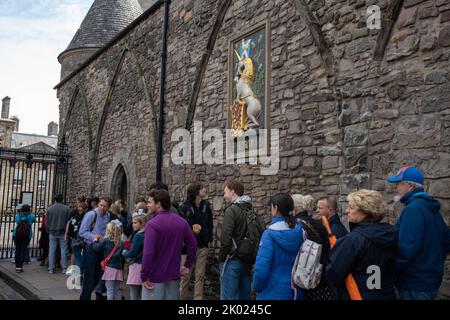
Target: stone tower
[(6, 125), (104, 20), (52, 129)]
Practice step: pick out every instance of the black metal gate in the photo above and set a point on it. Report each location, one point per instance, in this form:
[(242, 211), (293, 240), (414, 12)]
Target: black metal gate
[(33, 178)]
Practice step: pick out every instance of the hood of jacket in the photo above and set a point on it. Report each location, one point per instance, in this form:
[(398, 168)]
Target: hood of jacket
[(383, 235), (244, 202), (243, 199), (424, 198), (288, 239)]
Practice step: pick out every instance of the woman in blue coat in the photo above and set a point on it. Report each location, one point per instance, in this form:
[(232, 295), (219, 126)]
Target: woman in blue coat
[(278, 248)]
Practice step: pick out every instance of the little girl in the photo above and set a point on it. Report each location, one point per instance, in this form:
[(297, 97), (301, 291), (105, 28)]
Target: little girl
[(134, 256), (113, 274)]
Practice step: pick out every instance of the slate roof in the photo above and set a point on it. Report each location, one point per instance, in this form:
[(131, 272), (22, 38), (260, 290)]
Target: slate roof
[(104, 20)]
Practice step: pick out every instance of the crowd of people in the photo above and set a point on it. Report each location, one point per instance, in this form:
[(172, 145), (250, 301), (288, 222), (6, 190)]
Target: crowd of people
[(160, 246)]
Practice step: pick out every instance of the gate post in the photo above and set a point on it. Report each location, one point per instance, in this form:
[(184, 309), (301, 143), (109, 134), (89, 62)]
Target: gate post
[(61, 168)]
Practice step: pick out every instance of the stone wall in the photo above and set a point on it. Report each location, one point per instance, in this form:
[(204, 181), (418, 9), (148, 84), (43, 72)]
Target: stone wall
[(351, 108)]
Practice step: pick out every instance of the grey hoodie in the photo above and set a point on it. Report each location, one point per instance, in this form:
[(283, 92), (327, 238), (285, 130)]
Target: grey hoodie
[(56, 219)]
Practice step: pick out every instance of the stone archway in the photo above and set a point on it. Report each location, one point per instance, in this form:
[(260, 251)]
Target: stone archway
[(119, 186)]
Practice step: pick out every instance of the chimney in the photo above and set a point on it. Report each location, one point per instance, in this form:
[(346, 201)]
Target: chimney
[(16, 126), (52, 129), (5, 107)]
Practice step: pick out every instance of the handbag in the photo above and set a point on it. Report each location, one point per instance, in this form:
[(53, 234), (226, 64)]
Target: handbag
[(106, 260)]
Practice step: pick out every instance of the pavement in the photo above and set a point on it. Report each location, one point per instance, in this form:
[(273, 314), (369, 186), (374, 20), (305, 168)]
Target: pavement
[(35, 283)]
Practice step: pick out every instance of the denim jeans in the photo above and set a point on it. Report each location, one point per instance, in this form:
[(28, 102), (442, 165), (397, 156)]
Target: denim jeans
[(54, 240), (92, 271), (21, 251), (416, 295), (235, 283), (169, 290), (77, 252)]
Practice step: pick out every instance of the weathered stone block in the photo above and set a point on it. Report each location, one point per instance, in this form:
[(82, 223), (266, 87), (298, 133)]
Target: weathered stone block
[(353, 182), (410, 3), (330, 162), (356, 135), (436, 99), (344, 39), (294, 162), (445, 16), (428, 12), (295, 127), (436, 77), (329, 150), (382, 135), (359, 33), (327, 107), (446, 137), (407, 17), (439, 188), (404, 48), (355, 156), (427, 42), (417, 132), (444, 36), (301, 141)]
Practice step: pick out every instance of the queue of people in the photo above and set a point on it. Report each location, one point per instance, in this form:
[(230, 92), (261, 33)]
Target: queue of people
[(159, 247)]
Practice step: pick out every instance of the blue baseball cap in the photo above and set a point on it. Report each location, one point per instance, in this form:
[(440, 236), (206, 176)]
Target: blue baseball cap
[(407, 173)]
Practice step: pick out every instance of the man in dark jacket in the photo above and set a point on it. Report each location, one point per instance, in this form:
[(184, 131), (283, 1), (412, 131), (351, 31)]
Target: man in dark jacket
[(235, 283), (424, 238), (327, 206), (198, 214), (56, 220)]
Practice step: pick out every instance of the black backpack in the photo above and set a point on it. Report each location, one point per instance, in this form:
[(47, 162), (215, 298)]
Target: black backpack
[(247, 248), (23, 229)]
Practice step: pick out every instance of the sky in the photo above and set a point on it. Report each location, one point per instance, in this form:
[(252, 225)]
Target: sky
[(32, 35)]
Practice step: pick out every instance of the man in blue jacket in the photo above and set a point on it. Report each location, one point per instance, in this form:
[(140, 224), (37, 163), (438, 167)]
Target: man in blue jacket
[(424, 238)]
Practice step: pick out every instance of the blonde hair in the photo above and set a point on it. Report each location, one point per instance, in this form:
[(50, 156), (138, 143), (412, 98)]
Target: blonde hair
[(305, 202), (369, 202), (114, 231), (115, 208), (140, 218)]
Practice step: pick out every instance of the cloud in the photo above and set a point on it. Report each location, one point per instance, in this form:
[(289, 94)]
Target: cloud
[(32, 35)]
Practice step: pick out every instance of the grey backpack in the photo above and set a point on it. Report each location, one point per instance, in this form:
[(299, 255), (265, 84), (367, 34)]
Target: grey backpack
[(307, 269)]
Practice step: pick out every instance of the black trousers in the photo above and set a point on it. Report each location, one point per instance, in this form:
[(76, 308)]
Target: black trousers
[(21, 250)]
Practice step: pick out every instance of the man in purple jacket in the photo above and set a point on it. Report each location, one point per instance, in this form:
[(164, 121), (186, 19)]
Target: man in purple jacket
[(165, 235)]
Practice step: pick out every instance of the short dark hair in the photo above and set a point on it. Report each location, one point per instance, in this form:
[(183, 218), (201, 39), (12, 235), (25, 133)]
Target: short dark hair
[(25, 208), (59, 197), (159, 186), (192, 191), (331, 202), (106, 199), (236, 186), (161, 196), (95, 199), (140, 199)]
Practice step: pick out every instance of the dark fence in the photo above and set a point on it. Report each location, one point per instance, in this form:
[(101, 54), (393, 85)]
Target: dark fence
[(33, 178)]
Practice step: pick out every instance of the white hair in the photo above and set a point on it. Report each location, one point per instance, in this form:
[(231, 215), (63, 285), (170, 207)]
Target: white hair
[(415, 184), (303, 202)]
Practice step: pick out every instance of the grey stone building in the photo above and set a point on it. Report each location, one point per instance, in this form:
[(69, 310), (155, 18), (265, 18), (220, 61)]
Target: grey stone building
[(352, 101)]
